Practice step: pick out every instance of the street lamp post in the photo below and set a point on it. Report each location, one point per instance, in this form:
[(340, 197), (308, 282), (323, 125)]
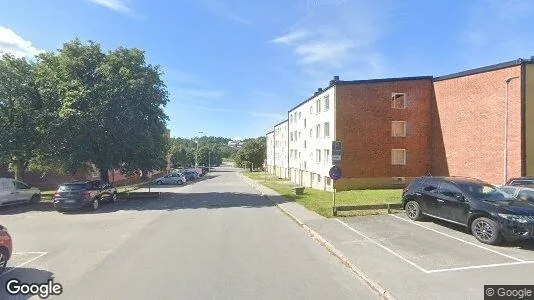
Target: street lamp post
[(505, 167), (196, 156)]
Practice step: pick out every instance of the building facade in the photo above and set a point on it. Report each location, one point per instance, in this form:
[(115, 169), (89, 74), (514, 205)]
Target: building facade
[(269, 161), (281, 149), (477, 123)]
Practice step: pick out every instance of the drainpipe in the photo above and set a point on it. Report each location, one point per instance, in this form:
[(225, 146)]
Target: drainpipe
[(505, 167)]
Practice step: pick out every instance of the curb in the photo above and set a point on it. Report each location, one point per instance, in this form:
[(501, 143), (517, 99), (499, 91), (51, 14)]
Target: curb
[(375, 286)]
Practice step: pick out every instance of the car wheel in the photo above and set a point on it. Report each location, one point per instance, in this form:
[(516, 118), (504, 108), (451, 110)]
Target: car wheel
[(179, 182), (413, 210), (3, 260), (35, 199), (96, 204), (486, 230), (114, 198), (159, 182)]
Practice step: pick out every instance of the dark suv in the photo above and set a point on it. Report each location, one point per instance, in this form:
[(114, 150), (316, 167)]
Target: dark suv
[(488, 213), (80, 194)]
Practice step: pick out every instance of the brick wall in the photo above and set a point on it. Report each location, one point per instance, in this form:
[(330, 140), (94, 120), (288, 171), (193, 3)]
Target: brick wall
[(468, 126), (363, 124)]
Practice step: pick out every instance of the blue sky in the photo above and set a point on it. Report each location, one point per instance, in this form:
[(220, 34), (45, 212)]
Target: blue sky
[(234, 68)]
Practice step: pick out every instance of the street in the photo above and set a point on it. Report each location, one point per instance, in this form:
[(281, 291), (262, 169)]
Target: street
[(212, 239)]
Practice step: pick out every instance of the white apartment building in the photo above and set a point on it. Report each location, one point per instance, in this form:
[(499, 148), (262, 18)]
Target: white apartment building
[(311, 129), (281, 149), (270, 153)]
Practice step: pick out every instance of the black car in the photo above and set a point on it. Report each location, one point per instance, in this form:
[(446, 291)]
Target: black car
[(190, 175), (81, 194), (489, 213), (521, 181)]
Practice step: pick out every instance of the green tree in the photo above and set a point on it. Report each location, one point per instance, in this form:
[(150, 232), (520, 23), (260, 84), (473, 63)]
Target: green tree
[(252, 153), (102, 108), (20, 107)]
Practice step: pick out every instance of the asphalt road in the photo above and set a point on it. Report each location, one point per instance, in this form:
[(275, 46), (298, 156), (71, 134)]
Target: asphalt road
[(213, 239)]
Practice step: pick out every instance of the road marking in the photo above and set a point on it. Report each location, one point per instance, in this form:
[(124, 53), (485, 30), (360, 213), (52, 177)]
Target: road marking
[(384, 247), (459, 239), (515, 263), (24, 263)]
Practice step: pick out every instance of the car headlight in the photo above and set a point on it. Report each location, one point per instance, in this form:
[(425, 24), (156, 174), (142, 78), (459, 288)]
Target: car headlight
[(516, 218)]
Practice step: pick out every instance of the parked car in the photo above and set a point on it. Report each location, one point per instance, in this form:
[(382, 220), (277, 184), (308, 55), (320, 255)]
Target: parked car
[(519, 192), (489, 213), (81, 194), (521, 181), (173, 178), (14, 191), (190, 175), (6, 248)]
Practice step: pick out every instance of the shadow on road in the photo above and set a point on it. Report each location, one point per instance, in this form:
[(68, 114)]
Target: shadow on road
[(24, 275), (22, 208)]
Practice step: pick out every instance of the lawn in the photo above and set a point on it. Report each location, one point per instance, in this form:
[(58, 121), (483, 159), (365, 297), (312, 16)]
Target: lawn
[(321, 201)]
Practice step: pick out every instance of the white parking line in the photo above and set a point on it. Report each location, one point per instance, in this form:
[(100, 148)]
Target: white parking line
[(384, 247), (24, 263), (459, 239), (481, 266)]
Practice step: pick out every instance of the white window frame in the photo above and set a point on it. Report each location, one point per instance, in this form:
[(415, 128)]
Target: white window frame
[(403, 163), (318, 131), (318, 106), (326, 156), (326, 102), (393, 99), (318, 156), (393, 126), (326, 134)]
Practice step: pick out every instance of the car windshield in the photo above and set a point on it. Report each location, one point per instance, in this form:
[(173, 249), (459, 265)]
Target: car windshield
[(73, 186), (484, 192)]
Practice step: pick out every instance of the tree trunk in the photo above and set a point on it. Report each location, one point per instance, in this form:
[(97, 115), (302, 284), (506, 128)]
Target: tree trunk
[(18, 168), (104, 174)]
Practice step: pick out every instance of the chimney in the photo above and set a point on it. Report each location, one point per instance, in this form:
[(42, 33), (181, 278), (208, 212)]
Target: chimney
[(331, 82), (336, 78), (319, 90)]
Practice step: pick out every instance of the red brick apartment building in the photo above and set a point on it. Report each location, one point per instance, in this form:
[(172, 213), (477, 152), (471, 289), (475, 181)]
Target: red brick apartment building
[(398, 128)]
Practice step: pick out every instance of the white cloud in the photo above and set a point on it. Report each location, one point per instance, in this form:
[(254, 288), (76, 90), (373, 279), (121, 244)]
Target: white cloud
[(11, 42), (292, 37), (116, 5), (221, 8)]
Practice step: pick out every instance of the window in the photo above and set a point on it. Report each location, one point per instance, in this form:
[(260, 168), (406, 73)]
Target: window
[(398, 100), (318, 131), (398, 128), (295, 135), (311, 109), (304, 144), (318, 156), (311, 132), (398, 156), (290, 119), (328, 180), (299, 135), (449, 190), (300, 115), (318, 178), (299, 154), (291, 136), (318, 104), (430, 187), (304, 122), (527, 195), (20, 186), (326, 129), (326, 102), (326, 156)]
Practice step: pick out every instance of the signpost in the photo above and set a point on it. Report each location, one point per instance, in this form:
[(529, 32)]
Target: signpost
[(335, 171)]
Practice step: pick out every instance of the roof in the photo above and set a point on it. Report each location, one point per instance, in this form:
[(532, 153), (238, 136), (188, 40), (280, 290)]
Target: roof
[(281, 122), (504, 65), (272, 131), (364, 81)]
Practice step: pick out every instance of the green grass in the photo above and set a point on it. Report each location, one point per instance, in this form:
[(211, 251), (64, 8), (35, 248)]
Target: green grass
[(321, 201)]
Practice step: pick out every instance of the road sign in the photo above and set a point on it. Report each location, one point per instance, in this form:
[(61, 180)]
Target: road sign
[(337, 152), (335, 172)]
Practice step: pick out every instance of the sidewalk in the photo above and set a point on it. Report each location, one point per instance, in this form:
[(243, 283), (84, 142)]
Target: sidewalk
[(308, 219)]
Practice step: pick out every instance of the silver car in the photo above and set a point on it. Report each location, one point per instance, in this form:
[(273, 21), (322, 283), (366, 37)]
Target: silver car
[(13, 191), (173, 178)]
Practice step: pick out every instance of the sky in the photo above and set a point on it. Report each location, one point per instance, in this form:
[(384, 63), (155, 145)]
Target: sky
[(234, 68)]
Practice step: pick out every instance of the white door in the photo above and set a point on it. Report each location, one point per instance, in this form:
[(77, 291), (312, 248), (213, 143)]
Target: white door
[(7, 191), (22, 191)]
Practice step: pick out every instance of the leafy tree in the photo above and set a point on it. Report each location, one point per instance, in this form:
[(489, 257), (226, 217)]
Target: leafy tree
[(103, 108), (252, 153), (20, 107)]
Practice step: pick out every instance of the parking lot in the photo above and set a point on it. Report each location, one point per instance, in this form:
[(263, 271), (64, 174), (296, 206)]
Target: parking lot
[(66, 246), (426, 260)]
